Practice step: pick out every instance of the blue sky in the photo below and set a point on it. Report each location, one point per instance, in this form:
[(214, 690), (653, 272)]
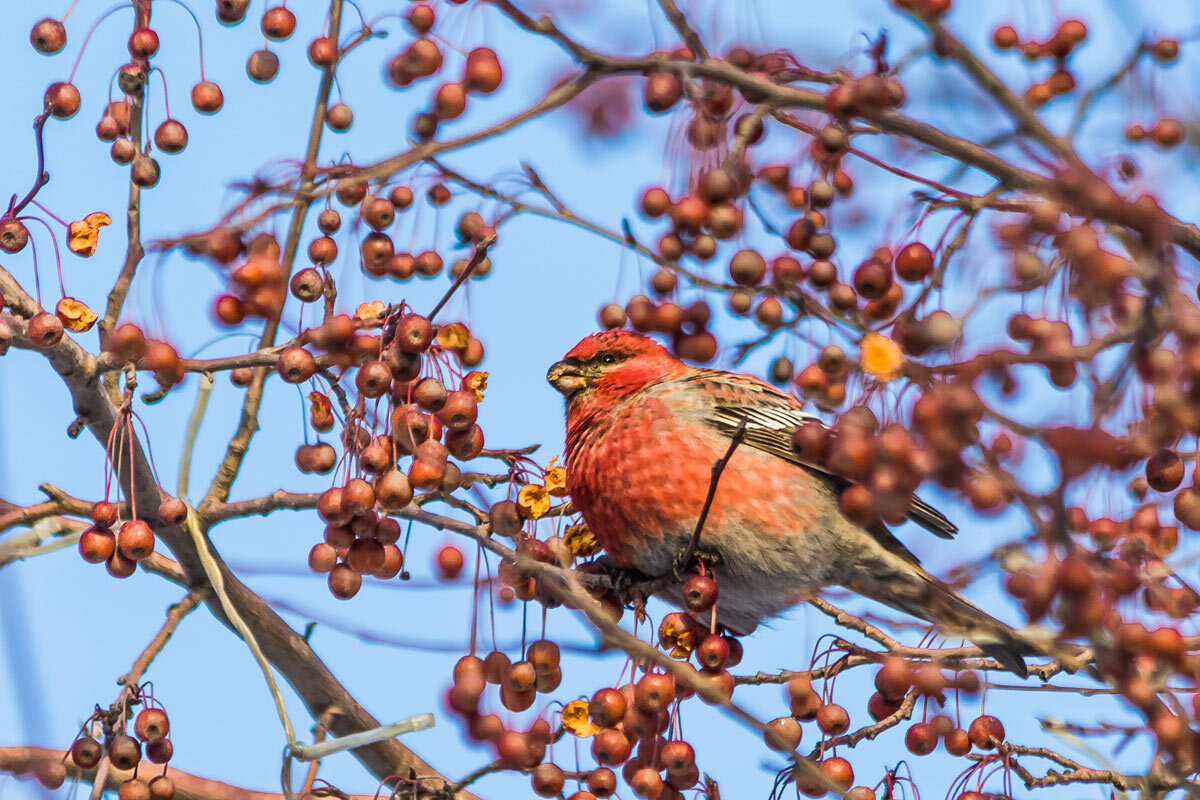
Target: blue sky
[(67, 630)]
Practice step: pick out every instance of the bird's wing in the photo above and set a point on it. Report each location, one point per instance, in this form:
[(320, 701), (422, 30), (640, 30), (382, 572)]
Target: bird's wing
[(771, 416)]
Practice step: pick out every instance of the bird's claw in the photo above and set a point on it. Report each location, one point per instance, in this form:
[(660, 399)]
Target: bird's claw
[(626, 583), (708, 559)]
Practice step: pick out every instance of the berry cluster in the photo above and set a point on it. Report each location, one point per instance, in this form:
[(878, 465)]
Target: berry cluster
[(151, 730), (425, 422), (133, 541)]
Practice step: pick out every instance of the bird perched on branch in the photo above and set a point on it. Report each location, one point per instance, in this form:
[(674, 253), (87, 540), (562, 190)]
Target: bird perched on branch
[(644, 430)]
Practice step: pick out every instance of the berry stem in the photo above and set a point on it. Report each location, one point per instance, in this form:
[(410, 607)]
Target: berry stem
[(57, 255), (88, 37), (199, 33), (48, 213), (166, 100)]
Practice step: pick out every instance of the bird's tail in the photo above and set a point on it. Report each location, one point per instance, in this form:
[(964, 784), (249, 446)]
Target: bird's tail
[(914, 591)]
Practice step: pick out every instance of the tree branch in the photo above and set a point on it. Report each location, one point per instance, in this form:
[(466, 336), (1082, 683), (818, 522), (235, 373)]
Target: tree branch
[(23, 761)]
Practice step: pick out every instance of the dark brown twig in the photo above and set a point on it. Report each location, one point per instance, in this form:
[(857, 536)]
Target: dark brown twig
[(39, 125), (480, 253), (718, 467)]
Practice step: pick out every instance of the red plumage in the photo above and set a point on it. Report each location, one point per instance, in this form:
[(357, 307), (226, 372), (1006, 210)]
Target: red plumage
[(643, 432)]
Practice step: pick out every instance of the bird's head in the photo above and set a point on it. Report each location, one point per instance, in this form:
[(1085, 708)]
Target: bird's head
[(613, 363)]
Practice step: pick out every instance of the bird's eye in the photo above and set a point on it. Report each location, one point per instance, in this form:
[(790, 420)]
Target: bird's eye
[(608, 358)]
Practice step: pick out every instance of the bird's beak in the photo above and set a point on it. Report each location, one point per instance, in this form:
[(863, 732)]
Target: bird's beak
[(566, 377)]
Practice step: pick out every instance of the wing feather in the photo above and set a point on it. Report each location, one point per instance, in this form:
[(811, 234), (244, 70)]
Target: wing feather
[(771, 416)]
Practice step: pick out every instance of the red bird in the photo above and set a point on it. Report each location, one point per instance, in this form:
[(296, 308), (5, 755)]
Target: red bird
[(643, 432)]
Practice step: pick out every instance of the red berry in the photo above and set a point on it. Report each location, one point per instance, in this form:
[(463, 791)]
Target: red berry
[(86, 753), (920, 739), (547, 780), (344, 582), (449, 562), (699, 593), (832, 719), (97, 545), (124, 751), (151, 725), (207, 97), (986, 732), (782, 734), (914, 262), (143, 43), (135, 540), (278, 23)]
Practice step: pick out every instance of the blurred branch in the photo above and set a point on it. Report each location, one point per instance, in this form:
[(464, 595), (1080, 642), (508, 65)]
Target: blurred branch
[(22, 761), (686, 31)]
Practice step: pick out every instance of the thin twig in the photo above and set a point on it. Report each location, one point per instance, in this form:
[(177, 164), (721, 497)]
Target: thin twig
[(718, 467), (175, 615), (481, 249), (235, 451)]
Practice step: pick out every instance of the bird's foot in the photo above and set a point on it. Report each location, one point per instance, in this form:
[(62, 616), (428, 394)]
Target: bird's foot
[(627, 584), (706, 559)]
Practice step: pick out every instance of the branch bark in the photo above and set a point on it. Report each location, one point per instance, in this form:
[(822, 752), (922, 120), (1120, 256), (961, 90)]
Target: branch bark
[(25, 761)]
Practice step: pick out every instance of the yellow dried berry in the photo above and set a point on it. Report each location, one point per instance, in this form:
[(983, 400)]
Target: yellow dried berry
[(575, 719), (533, 500), (556, 481), (677, 635), (880, 357), (580, 540), (475, 383), (453, 336), (75, 315), (372, 312), (321, 411), (83, 235)]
